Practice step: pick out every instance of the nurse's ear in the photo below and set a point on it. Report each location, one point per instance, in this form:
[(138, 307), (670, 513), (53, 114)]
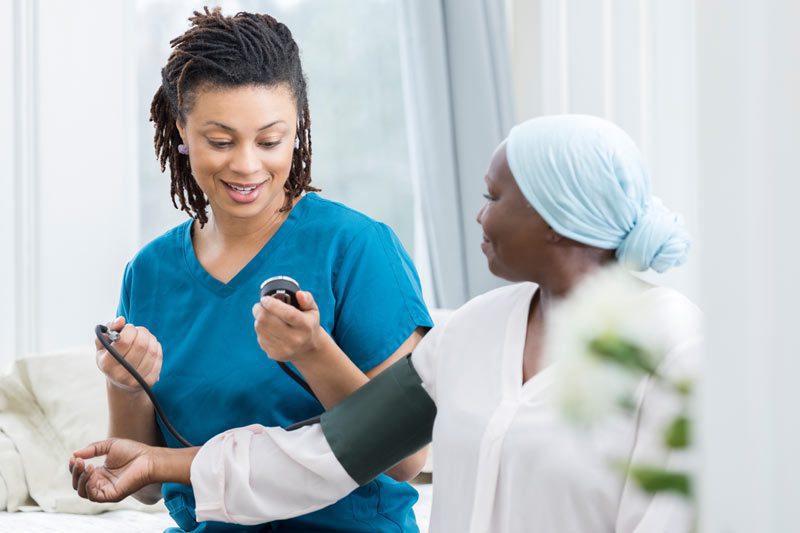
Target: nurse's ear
[(181, 130)]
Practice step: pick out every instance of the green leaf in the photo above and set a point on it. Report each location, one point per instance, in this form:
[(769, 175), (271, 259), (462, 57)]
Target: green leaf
[(653, 480), (677, 434), (684, 387), (611, 347)]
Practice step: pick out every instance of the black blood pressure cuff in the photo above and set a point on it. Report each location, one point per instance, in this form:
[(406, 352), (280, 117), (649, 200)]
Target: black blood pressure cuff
[(380, 424)]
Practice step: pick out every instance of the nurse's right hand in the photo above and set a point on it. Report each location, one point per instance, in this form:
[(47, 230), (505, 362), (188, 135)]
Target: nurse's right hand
[(140, 349)]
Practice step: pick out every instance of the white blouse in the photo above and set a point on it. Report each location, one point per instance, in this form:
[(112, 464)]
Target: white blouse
[(505, 461)]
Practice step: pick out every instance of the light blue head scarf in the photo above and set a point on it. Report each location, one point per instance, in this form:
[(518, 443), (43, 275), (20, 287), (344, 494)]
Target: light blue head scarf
[(586, 178)]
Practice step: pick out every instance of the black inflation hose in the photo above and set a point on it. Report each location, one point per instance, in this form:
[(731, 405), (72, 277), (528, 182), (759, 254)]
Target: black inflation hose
[(106, 338)]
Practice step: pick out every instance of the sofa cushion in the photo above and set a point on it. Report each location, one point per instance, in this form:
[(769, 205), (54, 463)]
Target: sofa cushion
[(51, 405), (13, 487)]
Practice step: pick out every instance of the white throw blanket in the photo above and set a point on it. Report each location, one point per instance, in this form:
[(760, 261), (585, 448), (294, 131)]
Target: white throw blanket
[(51, 405)]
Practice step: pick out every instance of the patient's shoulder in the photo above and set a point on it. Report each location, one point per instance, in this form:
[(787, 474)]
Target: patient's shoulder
[(493, 305), (673, 312)]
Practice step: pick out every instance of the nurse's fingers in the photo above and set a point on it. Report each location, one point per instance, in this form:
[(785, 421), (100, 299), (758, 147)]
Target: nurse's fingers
[(283, 311), (127, 338), (140, 347), (306, 301), (125, 347), (150, 358), (115, 325), (155, 373)]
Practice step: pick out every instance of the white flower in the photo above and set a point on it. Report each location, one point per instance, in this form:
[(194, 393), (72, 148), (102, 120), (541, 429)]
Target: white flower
[(588, 389), (606, 304)]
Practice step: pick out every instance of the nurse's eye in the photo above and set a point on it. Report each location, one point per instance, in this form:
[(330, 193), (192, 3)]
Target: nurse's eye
[(489, 197), (269, 144), (220, 144)]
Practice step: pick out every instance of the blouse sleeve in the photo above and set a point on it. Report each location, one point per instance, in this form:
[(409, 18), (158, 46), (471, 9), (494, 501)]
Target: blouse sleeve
[(425, 360), (257, 474), (378, 297), (662, 512)]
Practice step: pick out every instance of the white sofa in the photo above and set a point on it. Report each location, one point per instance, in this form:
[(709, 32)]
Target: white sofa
[(51, 405)]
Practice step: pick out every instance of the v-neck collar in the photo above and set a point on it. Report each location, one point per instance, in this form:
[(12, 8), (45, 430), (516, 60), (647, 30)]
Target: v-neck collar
[(253, 266), (516, 331)]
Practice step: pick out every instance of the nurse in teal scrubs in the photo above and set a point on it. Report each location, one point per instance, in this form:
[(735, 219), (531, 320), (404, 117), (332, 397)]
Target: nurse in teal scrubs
[(232, 124)]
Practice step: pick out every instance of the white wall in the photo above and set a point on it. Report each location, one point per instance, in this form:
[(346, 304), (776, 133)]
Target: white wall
[(748, 124), (8, 148), (71, 106), (630, 61)]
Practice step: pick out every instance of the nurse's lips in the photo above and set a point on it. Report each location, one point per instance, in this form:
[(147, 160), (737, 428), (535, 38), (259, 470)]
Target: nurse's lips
[(243, 193)]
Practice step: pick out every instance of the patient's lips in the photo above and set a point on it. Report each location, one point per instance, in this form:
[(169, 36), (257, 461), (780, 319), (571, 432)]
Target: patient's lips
[(486, 245)]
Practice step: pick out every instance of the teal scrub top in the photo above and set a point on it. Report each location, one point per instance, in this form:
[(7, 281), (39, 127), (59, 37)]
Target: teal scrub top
[(216, 377)]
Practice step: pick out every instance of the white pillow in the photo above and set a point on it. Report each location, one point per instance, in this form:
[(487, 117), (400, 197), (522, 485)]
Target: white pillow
[(71, 393), (55, 404), (13, 487)]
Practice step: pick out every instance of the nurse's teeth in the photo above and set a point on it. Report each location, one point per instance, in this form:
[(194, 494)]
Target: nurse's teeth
[(243, 189)]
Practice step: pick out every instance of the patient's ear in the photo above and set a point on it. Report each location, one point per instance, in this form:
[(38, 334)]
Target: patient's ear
[(552, 237)]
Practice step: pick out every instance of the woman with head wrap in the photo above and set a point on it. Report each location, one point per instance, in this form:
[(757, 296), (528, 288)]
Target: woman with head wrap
[(566, 195)]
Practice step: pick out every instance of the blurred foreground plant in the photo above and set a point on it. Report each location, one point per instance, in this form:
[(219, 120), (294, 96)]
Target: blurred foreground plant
[(607, 342)]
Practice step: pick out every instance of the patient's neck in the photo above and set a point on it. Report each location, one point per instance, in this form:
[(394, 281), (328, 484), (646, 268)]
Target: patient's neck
[(569, 267)]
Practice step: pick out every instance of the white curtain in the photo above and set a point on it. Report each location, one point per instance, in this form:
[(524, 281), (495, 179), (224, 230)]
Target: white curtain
[(458, 99), (748, 133), (631, 62)]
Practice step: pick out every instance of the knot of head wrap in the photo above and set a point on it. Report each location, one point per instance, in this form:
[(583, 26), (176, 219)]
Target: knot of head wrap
[(587, 180), (657, 240)]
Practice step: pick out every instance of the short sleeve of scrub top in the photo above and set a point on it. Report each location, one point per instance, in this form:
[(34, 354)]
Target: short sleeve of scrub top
[(368, 276)]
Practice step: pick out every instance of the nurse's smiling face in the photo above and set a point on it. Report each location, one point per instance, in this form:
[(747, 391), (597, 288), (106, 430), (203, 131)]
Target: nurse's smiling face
[(515, 238), (241, 142)]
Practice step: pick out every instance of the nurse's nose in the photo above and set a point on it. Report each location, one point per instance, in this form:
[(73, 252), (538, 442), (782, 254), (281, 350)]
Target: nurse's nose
[(245, 160)]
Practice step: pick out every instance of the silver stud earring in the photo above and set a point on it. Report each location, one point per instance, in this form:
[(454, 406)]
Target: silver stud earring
[(183, 149)]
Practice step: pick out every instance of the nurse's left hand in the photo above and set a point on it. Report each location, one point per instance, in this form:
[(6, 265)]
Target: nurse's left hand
[(286, 333)]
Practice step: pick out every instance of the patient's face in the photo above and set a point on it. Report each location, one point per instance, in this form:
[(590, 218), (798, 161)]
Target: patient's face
[(514, 235)]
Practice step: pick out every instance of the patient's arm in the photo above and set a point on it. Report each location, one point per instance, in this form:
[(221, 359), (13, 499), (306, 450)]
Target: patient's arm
[(257, 474), (247, 476)]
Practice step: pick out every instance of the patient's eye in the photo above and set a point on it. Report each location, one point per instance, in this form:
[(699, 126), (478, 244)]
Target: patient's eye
[(489, 197)]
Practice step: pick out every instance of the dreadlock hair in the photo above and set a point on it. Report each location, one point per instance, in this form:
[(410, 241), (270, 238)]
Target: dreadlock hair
[(227, 52)]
